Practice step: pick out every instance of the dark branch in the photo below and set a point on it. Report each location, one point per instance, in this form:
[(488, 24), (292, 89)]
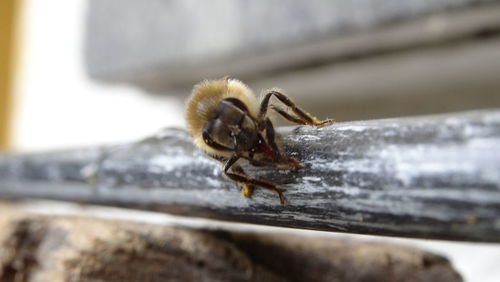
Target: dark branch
[(433, 177)]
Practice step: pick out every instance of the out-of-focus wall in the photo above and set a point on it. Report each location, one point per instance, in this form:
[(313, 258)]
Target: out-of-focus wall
[(347, 60)]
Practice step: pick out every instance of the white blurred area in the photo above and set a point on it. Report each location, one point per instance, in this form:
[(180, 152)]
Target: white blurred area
[(57, 106)]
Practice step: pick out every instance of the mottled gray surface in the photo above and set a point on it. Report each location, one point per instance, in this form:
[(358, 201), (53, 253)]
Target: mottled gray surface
[(432, 177), (126, 38)]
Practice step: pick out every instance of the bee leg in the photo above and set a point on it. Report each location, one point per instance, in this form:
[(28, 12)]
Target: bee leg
[(302, 116), (245, 180), (287, 116), (293, 163), (271, 136), (247, 189), (260, 163)]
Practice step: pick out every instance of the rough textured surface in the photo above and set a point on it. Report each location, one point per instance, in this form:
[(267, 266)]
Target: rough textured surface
[(431, 177), (313, 259), (78, 249)]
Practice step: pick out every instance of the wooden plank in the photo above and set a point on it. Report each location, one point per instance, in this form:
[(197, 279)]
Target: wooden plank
[(429, 177), (37, 248)]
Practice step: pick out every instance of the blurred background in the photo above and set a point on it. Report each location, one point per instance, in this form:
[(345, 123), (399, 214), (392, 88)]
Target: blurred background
[(87, 72)]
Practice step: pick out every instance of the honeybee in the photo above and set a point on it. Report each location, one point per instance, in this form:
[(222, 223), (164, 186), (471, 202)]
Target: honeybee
[(228, 123)]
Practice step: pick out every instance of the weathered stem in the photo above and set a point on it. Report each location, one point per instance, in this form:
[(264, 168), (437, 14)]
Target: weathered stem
[(432, 177)]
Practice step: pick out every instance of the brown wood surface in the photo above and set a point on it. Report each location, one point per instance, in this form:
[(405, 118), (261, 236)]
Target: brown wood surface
[(39, 248)]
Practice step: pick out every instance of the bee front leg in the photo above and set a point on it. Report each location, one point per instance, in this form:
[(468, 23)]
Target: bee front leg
[(291, 162), (245, 180)]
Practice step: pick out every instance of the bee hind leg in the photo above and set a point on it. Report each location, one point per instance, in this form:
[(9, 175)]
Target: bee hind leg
[(302, 117), (249, 183), (247, 189)]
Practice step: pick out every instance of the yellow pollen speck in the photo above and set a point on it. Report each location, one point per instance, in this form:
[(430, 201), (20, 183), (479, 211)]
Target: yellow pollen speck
[(246, 191), (471, 219)]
